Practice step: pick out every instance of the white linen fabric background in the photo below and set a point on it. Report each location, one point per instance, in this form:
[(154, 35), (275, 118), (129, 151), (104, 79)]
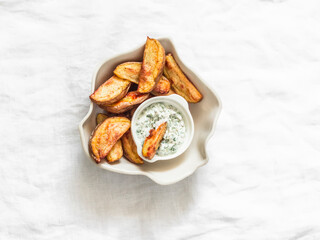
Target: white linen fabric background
[(263, 178)]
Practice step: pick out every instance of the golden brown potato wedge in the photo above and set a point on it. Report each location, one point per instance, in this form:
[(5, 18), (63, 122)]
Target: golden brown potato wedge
[(115, 153), (130, 148), (127, 103), (179, 82), (129, 71), (100, 118), (110, 91), (152, 65), (152, 142), (162, 87), (105, 136)]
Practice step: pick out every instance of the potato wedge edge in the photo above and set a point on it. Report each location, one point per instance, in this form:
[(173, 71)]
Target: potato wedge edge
[(152, 65), (130, 148), (179, 82), (105, 136), (110, 91), (152, 142), (127, 103)]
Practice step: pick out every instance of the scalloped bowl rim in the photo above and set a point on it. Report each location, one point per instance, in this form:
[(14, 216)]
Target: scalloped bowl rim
[(148, 174)]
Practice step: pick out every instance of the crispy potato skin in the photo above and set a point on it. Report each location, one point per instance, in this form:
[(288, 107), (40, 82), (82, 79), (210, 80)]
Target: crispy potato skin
[(162, 87), (129, 71), (105, 136), (179, 82), (130, 148), (152, 142), (152, 65), (115, 153), (127, 103), (110, 91), (100, 118)]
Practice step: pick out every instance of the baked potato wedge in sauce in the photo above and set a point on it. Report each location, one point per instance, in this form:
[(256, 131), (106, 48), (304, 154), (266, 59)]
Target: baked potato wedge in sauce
[(152, 142), (105, 136), (179, 82), (152, 65), (110, 91)]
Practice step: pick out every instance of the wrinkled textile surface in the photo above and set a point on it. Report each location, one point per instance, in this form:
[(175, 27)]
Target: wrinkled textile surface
[(263, 178)]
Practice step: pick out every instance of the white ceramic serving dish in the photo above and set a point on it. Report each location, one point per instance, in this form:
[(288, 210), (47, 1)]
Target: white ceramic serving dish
[(205, 115), (182, 105)]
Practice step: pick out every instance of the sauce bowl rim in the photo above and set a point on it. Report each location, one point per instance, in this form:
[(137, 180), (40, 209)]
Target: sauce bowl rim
[(182, 105)]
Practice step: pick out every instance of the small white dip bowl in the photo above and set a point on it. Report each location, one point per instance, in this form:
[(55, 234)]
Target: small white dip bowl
[(182, 105)]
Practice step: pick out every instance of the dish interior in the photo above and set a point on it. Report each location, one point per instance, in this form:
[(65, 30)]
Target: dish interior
[(205, 114)]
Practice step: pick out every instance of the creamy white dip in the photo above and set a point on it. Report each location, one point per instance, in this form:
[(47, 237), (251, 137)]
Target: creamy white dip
[(155, 114)]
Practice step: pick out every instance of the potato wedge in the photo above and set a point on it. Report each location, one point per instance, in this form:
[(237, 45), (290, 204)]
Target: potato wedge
[(152, 65), (152, 142), (100, 118), (130, 148), (162, 87), (115, 153), (127, 103), (110, 91), (179, 82), (129, 71), (105, 136)]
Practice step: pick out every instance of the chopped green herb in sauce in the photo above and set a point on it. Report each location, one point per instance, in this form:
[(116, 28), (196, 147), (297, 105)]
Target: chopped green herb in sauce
[(152, 117)]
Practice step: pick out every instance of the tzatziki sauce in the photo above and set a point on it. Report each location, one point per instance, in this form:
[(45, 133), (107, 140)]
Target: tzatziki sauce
[(155, 114)]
